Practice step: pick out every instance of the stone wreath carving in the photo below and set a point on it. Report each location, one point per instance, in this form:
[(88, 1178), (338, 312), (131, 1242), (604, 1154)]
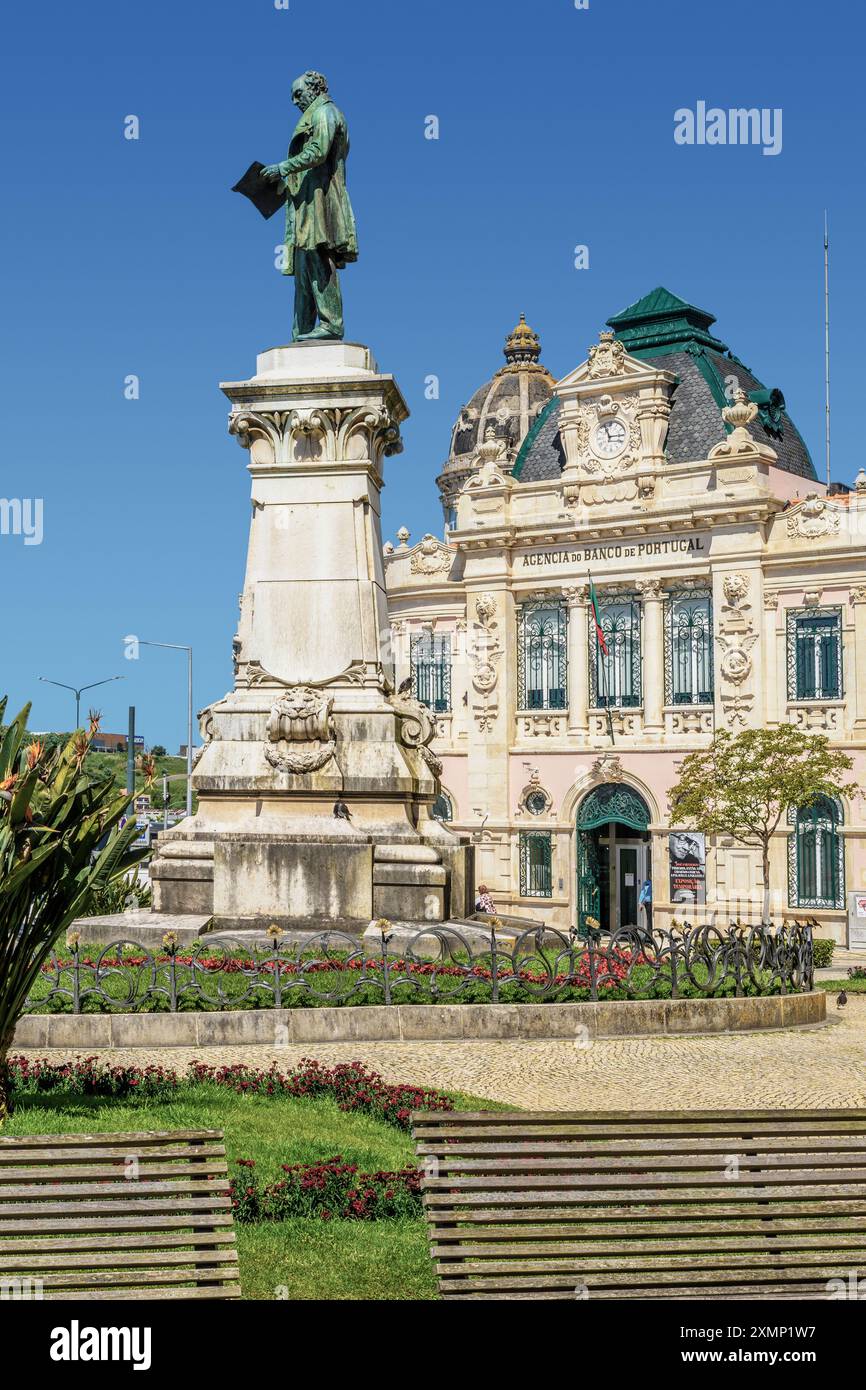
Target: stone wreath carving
[(607, 768), (431, 557), (606, 357), (736, 663), (813, 518), (301, 716)]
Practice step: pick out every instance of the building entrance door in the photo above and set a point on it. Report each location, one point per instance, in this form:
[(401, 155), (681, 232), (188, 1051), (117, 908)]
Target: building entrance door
[(631, 870), (613, 858)]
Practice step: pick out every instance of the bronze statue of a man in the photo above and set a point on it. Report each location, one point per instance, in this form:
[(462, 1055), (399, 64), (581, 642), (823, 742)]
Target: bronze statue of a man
[(320, 225)]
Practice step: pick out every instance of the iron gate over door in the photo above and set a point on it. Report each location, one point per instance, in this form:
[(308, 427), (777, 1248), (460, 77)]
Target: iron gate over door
[(610, 802)]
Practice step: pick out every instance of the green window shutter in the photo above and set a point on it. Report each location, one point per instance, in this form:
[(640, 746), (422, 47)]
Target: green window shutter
[(805, 664), (830, 665), (806, 863), (827, 886)]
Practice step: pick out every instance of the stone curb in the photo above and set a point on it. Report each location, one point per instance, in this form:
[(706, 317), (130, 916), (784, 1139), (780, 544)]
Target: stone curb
[(423, 1022)]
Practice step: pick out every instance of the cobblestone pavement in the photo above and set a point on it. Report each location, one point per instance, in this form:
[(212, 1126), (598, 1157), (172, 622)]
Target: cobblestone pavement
[(842, 961), (823, 1066)]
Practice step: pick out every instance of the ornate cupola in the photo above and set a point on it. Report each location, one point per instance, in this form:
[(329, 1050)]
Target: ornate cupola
[(503, 409), (522, 347)]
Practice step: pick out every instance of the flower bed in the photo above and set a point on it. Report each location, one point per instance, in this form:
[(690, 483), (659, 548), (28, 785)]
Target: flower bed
[(350, 1084), (328, 1189), (335, 970)]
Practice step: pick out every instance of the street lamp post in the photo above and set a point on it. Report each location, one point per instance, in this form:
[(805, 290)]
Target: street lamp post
[(78, 691), (179, 647)]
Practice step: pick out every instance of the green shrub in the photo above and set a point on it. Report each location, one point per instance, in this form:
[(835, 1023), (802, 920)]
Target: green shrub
[(120, 895), (823, 947)]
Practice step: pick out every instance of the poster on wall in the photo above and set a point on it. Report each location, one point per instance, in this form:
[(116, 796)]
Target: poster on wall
[(688, 856)]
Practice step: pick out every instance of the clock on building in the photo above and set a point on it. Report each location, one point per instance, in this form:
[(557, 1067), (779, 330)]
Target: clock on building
[(609, 438)]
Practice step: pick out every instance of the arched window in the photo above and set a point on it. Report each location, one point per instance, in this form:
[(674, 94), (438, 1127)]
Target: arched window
[(442, 808), (816, 856)]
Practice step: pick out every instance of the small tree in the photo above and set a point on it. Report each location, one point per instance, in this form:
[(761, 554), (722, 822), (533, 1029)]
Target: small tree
[(60, 841), (743, 785)]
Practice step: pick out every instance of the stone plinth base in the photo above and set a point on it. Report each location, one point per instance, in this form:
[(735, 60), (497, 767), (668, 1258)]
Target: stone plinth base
[(146, 928), (239, 882)]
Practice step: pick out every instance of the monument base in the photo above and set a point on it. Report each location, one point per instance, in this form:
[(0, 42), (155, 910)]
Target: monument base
[(316, 778), (245, 881)]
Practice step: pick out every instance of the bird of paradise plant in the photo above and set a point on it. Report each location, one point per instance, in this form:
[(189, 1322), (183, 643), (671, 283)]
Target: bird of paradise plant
[(61, 838)]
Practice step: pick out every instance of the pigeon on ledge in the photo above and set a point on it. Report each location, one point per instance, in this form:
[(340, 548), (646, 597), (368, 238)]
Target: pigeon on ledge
[(341, 811)]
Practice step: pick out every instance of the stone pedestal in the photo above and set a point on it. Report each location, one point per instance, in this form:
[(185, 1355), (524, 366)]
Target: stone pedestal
[(314, 777)]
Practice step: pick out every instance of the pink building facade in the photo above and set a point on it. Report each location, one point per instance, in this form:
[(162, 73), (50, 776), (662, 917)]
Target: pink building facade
[(663, 479)]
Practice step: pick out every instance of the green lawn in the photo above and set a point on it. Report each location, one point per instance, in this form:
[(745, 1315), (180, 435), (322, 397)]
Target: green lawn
[(115, 764), (855, 986), (297, 1259)]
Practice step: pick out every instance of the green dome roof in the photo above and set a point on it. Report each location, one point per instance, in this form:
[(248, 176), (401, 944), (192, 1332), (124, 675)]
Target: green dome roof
[(675, 335)]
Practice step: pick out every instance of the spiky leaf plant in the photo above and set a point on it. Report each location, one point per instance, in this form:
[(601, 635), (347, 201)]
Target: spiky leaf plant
[(60, 839)]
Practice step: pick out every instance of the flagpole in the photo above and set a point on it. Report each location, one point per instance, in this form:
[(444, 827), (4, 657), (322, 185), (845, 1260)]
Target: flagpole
[(827, 346), (599, 663)]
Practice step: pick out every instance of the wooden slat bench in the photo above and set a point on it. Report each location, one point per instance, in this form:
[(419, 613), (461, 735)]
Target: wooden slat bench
[(644, 1204), (118, 1215)]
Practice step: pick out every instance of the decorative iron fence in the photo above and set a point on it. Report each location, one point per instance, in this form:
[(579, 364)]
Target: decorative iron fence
[(437, 964)]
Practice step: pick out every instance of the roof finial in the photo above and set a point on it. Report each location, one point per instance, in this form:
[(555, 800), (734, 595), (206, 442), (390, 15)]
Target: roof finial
[(522, 344)]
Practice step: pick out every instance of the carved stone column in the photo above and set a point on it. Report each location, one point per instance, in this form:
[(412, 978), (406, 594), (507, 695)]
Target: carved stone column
[(316, 776), (858, 601), (652, 595), (578, 660), (771, 664)]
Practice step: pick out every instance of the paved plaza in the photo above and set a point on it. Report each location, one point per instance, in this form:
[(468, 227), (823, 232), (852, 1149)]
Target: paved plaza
[(821, 1066)]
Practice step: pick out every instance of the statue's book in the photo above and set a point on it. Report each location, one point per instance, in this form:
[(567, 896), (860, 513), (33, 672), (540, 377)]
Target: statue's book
[(262, 193)]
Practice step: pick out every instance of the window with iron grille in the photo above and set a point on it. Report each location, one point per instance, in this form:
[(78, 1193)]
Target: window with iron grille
[(816, 856), (615, 675), (542, 658), (430, 662), (536, 859), (689, 648), (815, 654)]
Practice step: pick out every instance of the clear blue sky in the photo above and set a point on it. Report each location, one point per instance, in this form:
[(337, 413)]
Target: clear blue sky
[(127, 257)]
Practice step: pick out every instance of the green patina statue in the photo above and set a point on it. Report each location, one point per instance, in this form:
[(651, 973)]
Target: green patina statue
[(320, 225)]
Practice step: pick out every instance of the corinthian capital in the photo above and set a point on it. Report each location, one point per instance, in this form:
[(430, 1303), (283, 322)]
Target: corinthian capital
[(651, 590), (577, 596), (317, 434)]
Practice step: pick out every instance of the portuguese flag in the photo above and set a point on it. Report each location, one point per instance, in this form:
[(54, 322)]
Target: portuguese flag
[(593, 598)]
